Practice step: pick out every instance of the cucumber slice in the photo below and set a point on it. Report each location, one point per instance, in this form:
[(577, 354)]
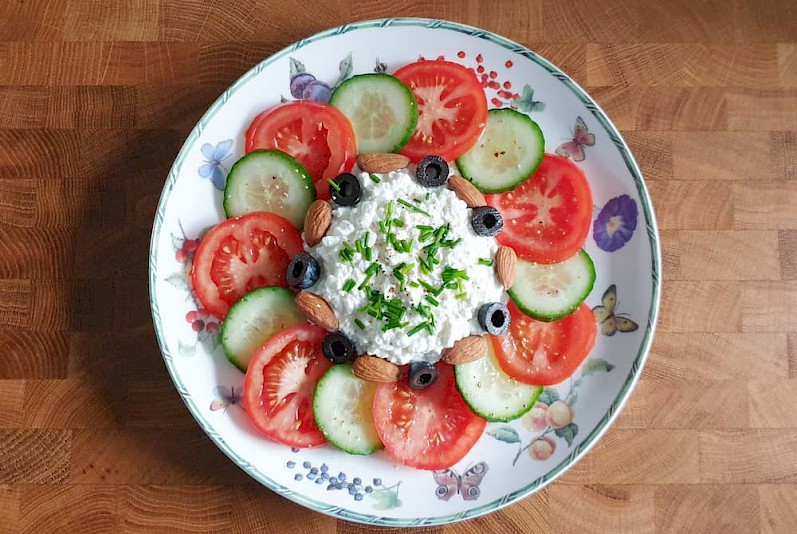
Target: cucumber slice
[(507, 154), (381, 109), (254, 319), (343, 408), (551, 292), (269, 180), (491, 393)]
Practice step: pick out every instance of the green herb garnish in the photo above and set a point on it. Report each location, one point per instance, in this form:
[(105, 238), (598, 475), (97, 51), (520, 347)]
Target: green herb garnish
[(359, 324), (417, 329), (409, 206), (369, 273), (431, 300), (349, 285), (333, 184), (375, 179), (486, 261)]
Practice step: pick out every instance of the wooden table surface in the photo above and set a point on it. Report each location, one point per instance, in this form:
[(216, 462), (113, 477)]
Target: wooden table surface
[(96, 97)]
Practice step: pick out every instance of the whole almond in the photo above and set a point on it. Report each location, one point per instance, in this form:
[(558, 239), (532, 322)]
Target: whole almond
[(466, 350), (466, 191), (317, 221), (316, 310), (505, 264), (374, 369), (382, 162)]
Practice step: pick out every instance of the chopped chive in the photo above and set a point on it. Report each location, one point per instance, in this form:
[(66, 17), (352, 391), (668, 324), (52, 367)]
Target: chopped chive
[(369, 273), (429, 328), (359, 324), (359, 246), (398, 223), (431, 300), (417, 329), (389, 210), (486, 261), (375, 179), (416, 209), (461, 296), (429, 287), (369, 254), (427, 195), (333, 184), (349, 285), (366, 238), (415, 284)]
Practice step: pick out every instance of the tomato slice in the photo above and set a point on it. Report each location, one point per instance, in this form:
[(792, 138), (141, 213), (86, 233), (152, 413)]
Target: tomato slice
[(452, 109), (432, 428), (280, 384), (547, 217), (544, 354), (240, 255), (316, 134)]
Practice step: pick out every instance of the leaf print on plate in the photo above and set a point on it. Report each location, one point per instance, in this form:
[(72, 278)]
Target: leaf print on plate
[(212, 168), (574, 148), (615, 224), (611, 322), (507, 434)]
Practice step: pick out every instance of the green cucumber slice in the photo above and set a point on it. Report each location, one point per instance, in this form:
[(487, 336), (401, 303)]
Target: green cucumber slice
[(552, 292), (381, 109), (507, 154), (343, 408), (491, 393), (269, 180), (254, 319)]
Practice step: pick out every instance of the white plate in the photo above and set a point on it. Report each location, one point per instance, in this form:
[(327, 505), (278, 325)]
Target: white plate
[(385, 493)]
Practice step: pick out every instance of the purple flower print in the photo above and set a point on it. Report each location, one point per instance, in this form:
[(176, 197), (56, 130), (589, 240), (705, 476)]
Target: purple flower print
[(305, 86), (615, 224)]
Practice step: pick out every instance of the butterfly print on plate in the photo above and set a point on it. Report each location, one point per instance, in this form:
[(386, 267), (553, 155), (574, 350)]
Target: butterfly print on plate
[(224, 397), (450, 482), (610, 322), (575, 147)]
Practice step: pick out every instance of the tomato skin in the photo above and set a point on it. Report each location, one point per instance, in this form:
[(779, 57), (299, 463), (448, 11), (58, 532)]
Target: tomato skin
[(293, 358), (316, 134), (406, 419), (452, 109), (279, 241), (552, 352), (558, 230)]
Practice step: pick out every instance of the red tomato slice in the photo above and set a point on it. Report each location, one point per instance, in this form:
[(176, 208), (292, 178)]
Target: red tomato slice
[(547, 217), (544, 354), (240, 255), (316, 134), (452, 109), (280, 384), (432, 428)]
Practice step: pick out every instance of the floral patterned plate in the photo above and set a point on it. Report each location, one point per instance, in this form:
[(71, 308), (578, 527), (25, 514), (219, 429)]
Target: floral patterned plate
[(510, 461)]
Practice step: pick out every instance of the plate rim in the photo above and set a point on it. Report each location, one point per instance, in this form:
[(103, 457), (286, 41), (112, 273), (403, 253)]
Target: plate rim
[(625, 390)]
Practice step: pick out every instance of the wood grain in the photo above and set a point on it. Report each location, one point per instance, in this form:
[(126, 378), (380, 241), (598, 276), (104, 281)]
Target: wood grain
[(96, 98)]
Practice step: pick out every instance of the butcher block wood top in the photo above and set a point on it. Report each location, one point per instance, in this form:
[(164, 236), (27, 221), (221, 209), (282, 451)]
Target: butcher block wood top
[(96, 98)]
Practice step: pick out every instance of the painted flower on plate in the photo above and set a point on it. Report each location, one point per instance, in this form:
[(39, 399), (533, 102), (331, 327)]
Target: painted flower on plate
[(213, 168), (615, 224)]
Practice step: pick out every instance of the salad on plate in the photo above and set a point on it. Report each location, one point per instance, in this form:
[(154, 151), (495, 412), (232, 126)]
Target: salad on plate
[(399, 266)]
